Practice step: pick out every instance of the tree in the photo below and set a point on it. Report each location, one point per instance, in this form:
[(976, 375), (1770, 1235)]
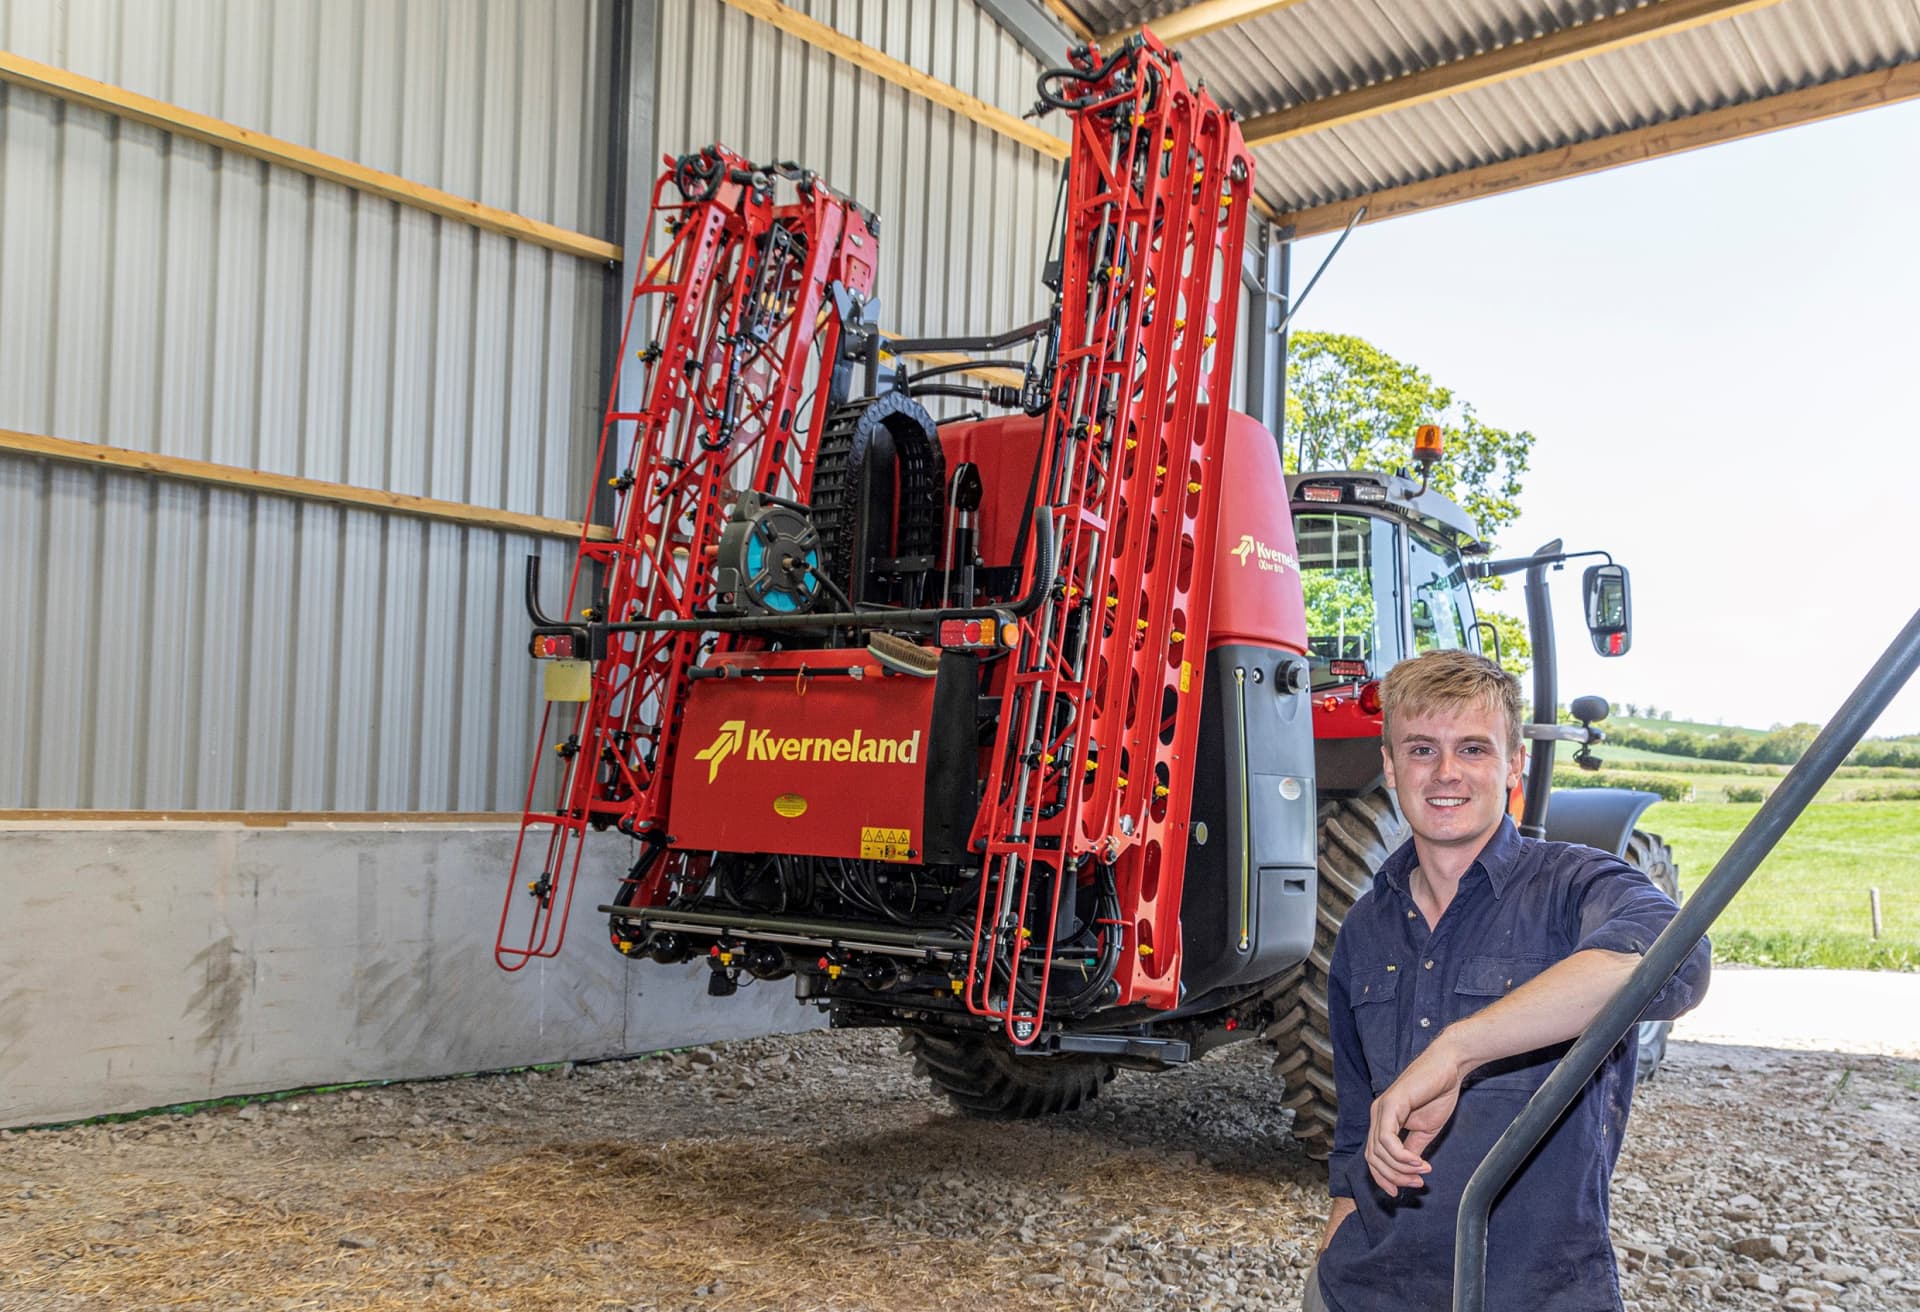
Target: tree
[(1516, 651), (1350, 405)]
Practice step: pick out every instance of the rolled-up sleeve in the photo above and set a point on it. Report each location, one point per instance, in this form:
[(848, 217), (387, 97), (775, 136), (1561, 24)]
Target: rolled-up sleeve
[(1351, 1082), (1620, 910)]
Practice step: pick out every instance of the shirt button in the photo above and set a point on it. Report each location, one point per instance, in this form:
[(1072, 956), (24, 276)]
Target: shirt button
[(1409, 915), (1429, 965), (1424, 1022)]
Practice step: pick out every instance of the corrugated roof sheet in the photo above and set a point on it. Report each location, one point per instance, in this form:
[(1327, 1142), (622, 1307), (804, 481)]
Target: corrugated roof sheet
[(1320, 48)]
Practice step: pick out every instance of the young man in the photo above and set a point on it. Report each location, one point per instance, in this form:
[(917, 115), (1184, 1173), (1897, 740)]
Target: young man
[(1458, 980)]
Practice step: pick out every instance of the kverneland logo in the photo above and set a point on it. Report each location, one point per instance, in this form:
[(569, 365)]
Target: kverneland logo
[(765, 745), (724, 744), (1270, 558)]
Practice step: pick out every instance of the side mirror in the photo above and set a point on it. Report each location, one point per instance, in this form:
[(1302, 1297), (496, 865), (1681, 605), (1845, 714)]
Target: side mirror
[(1609, 609)]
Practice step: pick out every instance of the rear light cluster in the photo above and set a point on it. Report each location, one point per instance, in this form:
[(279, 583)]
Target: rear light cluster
[(1366, 696), (554, 647), (978, 634)]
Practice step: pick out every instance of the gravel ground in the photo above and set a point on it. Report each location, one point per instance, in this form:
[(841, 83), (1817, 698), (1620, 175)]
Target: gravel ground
[(815, 1172)]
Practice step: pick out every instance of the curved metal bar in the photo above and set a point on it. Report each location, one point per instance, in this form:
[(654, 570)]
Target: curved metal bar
[(1888, 675)]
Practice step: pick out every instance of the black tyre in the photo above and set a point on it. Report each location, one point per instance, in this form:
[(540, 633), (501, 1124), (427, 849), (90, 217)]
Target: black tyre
[(1356, 836), (982, 1077), (1653, 858)]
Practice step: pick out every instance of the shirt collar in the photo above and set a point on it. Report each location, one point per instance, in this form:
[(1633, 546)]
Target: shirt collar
[(1497, 860)]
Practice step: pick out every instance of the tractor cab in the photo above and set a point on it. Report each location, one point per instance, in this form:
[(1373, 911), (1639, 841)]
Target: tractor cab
[(1383, 565)]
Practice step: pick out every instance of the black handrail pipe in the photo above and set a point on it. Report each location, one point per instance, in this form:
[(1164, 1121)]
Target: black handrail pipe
[(1888, 675)]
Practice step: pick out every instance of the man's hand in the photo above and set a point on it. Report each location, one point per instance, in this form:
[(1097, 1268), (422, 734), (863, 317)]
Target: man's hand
[(1551, 1008), (1419, 1103), (1342, 1209)]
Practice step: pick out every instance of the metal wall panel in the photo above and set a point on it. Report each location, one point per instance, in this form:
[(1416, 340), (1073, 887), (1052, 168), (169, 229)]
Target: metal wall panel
[(965, 213), (173, 646)]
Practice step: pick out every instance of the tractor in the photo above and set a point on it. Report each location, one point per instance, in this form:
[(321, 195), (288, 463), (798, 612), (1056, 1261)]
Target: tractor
[(1036, 731)]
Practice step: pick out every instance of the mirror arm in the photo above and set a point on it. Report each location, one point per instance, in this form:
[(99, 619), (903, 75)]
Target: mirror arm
[(1487, 569)]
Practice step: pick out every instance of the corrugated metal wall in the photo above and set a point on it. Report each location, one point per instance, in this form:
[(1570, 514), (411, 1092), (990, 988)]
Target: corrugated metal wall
[(174, 646), (965, 213), (179, 647)]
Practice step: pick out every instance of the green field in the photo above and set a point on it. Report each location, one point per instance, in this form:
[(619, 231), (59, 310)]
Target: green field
[(1807, 904)]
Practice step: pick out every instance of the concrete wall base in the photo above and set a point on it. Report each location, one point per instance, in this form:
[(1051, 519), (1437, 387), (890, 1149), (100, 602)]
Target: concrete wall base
[(147, 965)]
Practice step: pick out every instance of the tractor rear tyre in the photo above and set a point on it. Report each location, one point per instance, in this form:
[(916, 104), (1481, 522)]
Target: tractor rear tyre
[(1356, 836), (1653, 858), (982, 1077)]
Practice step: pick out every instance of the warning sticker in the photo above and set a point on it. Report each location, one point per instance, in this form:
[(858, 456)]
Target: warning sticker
[(790, 805), (1186, 676), (878, 844)]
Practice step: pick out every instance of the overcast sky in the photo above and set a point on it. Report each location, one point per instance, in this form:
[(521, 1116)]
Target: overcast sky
[(1719, 356)]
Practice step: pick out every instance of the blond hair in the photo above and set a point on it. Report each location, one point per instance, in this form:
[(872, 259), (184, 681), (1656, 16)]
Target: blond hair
[(1450, 680)]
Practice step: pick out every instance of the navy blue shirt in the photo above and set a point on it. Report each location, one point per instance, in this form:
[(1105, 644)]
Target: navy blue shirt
[(1521, 907)]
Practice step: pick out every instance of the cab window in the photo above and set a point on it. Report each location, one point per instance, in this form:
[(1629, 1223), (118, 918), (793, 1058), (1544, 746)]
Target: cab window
[(1350, 571), (1441, 605)]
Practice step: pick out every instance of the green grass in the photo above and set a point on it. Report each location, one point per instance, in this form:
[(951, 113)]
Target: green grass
[(1807, 903)]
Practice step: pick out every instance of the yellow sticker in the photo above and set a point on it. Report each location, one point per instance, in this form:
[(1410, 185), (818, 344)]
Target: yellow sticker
[(1186, 675), (885, 844), (568, 681), (790, 805)]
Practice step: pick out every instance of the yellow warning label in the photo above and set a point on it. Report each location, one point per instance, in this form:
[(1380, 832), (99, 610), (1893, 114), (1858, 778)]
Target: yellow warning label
[(790, 805), (1186, 676), (568, 681), (885, 844)]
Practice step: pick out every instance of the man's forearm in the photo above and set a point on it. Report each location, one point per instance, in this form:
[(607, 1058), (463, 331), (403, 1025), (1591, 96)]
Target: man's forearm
[(1342, 1209), (1554, 1006)]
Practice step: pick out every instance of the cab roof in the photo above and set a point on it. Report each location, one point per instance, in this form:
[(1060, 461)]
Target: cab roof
[(1398, 494)]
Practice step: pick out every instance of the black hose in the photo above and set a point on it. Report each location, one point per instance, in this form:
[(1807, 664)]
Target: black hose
[(1099, 74)]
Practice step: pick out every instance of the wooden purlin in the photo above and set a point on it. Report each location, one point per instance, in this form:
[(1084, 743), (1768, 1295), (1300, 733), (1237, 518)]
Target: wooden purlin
[(680, 455)]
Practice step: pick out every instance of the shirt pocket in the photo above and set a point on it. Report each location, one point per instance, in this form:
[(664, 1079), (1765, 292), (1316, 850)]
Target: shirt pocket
[(1481, 980), (1370, 993)]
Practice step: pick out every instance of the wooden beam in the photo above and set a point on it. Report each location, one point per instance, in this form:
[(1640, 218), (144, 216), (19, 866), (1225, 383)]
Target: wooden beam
[(1663, 18), (262, 819), (1075, 24), (286, 485), (74, 89), (1769, 114), (885, 66), (1200, 19)]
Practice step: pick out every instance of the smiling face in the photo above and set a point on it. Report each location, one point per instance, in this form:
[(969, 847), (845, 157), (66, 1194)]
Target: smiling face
[(1452, 771)]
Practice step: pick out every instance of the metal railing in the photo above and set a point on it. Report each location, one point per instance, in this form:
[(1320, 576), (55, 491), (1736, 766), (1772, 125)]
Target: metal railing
[(1888, 675)]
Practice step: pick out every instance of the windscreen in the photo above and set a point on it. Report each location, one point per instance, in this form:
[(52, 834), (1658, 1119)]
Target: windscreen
[(1350, 571)]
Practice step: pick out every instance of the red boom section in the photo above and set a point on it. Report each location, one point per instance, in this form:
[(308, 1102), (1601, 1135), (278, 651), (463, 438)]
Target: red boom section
[(740, 351), (1099, 722)]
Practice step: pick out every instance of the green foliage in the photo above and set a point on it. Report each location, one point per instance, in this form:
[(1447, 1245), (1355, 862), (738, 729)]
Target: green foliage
[(1673, 790), (1781, 745), (1885, 795), (1516, 649), (1350, 405), (1748, 793), (1795, 950)]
